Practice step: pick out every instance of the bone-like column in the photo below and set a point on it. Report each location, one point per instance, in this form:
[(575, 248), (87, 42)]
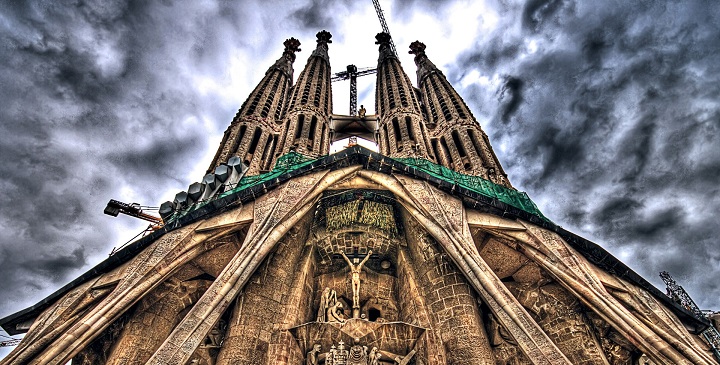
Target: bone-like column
[(570, 269), (297, 310), (529, 336), (150, 268), (255, 319), (54, 321), (276, 212), (159, 310)]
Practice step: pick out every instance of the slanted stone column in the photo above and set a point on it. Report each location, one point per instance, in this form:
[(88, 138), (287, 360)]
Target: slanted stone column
[(455, 313), (414, 310), (258, 310), (298, 309), (154, 319)]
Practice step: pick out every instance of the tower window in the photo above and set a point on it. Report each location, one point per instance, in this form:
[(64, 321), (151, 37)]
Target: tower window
[(396, 130), (478, 148), (408, 125), (434, 144), (387, 139), (255, 140), (311, 133), (239, 138), (299, 127), (458, 144)]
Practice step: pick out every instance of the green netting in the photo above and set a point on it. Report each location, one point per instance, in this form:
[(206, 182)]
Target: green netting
[(517, 199), (287, 162), (293, 160)]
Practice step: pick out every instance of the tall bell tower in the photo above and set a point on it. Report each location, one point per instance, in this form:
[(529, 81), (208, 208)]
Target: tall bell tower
[(253, 133), (455, 135), (401, 128), (305, 124)]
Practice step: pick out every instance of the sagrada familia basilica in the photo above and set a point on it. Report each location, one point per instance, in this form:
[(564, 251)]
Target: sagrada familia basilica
[(421, 253)]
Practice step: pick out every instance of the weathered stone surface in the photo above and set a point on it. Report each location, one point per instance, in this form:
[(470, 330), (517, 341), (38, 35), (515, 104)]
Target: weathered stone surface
[(561, 316), (454, 310), (258, 311)]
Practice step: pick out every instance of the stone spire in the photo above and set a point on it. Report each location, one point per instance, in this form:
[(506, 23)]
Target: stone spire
[(252, 135), (305, 126), (456, 138), (401, 127)]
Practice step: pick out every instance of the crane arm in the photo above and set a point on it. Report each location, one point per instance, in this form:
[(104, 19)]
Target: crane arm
[(383, 24)]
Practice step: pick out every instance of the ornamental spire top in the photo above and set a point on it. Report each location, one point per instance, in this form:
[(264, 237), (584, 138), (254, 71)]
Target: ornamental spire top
[(284, 63), (323, 38), (425, 66), (386, 52)]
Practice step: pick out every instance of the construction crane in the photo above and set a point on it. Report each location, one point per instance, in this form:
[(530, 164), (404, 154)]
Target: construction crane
[(352, 73), (115, 207), (10, 342), (383, 24), (678, 294)]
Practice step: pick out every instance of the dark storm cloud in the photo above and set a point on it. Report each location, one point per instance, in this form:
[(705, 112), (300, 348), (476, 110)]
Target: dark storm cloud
[(616, 123), (536, 12), (96, 105), (314, 16), (512, 92)]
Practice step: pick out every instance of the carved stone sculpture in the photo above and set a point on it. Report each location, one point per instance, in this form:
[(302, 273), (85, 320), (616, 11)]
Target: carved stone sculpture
[(313, 356), (355, 272), (374, 357), (327, 300), (357, 355), (334, 313)]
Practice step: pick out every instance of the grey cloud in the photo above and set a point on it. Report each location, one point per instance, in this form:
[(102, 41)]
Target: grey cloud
[(617, 125), (95, 102)]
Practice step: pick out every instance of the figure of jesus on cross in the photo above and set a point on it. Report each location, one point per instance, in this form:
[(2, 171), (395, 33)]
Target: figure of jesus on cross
[(355, 271)]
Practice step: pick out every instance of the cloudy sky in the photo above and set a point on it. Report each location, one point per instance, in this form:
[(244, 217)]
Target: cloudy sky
[(606, 112)]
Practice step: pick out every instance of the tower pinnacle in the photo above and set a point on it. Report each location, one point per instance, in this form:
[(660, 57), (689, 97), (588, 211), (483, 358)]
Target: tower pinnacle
[(384, 39), (305, 124), (323, 38), (456, 138), (425, 66), (252, 135)]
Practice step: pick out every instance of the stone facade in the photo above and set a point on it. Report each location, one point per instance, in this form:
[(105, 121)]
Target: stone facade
[(355, 261)]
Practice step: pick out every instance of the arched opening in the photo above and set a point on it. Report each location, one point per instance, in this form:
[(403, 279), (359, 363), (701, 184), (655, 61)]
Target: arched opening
[(239, 138), (398, 136), (311, 133), (408, 125), (299, 127), (373, 314), (461, 150)]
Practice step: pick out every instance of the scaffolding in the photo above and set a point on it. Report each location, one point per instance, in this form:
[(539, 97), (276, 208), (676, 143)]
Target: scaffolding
[(678, 294)]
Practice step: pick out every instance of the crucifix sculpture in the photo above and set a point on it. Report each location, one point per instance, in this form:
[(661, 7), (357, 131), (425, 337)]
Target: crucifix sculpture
[(355, 269)]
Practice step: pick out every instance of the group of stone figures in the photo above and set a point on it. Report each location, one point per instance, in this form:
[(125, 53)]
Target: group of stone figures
[(355, 355), (331, 310)]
